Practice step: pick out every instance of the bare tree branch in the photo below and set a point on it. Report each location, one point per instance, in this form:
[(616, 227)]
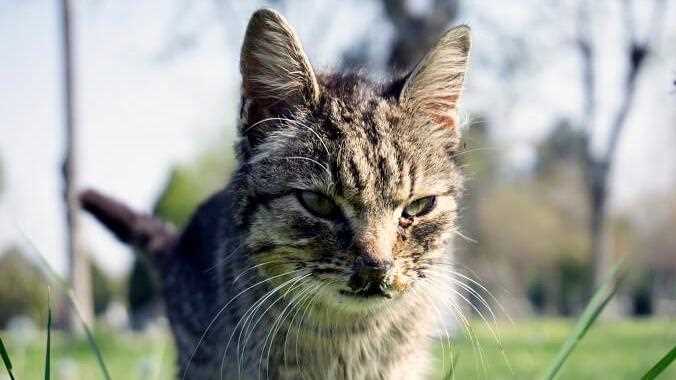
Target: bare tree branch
[(585, 46), (638, 52)]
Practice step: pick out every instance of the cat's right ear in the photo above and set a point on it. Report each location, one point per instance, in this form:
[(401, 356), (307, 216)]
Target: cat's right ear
[(275, 70)]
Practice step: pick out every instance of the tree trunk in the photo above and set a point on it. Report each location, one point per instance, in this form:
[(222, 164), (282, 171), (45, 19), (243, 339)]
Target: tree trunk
[(598, 168), (598, 195), (78, 266)]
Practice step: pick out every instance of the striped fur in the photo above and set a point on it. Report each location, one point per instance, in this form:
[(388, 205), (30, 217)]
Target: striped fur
[(257, 286)]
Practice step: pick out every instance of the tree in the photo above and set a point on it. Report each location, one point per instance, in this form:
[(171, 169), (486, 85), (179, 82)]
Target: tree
[(78, 267), (598, 166), (656, 218)]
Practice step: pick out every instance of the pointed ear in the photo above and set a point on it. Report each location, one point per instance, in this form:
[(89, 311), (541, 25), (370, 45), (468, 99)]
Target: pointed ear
[(434, 87), (273, 65)]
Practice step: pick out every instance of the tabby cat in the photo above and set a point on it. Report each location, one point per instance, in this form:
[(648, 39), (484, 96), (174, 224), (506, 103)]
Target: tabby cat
[(327, 255)]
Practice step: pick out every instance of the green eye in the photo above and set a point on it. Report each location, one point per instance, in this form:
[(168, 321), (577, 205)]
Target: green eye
[(420, 207), (318, 204)]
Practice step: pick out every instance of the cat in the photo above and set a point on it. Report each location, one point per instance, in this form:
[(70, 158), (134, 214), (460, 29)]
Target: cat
[(327, 255)]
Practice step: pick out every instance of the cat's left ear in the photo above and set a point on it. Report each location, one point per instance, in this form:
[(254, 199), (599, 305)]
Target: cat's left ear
[(434, 87)]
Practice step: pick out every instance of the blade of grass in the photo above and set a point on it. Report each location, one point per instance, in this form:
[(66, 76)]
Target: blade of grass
[(661, 365), (90, 336), (5, 359), (450, 375), (598, 302), (49, 339), (63, 286)]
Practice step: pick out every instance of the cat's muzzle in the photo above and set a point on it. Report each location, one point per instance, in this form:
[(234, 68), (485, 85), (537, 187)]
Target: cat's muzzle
[(371, 278)]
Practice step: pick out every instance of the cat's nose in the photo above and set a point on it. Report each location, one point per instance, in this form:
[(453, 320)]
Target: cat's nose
[(369, 271)]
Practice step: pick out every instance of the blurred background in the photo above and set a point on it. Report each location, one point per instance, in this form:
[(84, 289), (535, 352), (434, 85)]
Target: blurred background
[(570, 110)]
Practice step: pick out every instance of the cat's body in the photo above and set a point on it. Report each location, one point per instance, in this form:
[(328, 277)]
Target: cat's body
[(326, 257)]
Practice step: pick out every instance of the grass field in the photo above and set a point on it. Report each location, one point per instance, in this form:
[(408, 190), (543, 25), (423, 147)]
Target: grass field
[(611, 350)]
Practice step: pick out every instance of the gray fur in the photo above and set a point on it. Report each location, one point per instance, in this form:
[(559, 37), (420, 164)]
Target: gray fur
[(259, 287)]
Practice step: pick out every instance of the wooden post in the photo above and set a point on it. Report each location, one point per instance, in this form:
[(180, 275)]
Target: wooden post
[(78, 265)]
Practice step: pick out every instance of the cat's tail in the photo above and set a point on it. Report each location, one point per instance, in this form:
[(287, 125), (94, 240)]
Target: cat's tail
[(139, 230)]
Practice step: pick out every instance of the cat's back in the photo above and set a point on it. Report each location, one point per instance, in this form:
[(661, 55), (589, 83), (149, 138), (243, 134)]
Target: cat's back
[(195, 284)]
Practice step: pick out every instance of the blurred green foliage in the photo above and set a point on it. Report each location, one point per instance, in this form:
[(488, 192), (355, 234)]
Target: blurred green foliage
[(528, 228), (190, 184), (23, 289)]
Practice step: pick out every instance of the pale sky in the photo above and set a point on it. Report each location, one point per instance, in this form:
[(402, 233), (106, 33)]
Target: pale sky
[(141, 110)]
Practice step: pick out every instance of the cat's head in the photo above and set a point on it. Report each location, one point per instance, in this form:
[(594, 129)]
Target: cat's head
[(348, 184)]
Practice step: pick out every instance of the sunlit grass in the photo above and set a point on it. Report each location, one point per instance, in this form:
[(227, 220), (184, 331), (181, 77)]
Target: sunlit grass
[(610, 350)]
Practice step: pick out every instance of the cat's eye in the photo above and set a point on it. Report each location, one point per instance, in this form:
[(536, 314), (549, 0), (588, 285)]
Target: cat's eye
[(318, 204), (420, 207)]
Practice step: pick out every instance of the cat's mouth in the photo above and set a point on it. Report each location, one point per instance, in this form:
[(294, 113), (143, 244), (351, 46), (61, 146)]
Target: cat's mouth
[(371, 291)]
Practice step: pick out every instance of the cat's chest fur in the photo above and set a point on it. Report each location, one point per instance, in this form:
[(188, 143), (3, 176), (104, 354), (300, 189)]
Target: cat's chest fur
[(215, 300)]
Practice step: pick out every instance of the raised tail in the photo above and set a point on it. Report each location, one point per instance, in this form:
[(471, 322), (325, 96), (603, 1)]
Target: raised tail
[(139, 230)]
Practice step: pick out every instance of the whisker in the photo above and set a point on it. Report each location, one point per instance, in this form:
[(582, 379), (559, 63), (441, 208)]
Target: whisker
[(326, 149), (277, 326), (246, 315), (298, 282), (223, 260), (453, 266), (467, 238), (220, 312), (298, 307), (265, 121), (254, 267), (469, 290), (325, 167), (309, 303), (468, 327), (440, 321), (277, 322)]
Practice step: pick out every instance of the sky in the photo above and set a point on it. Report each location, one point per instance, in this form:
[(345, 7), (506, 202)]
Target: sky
[(157, 83)]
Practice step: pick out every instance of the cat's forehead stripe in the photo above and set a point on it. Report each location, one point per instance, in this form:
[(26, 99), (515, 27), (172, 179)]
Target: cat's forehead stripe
[(371, 164)]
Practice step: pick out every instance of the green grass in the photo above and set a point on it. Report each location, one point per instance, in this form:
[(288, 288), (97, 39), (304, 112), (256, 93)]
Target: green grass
[(610, 350), (591, 312), (127, 356), (661, 365), (6, 360)]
